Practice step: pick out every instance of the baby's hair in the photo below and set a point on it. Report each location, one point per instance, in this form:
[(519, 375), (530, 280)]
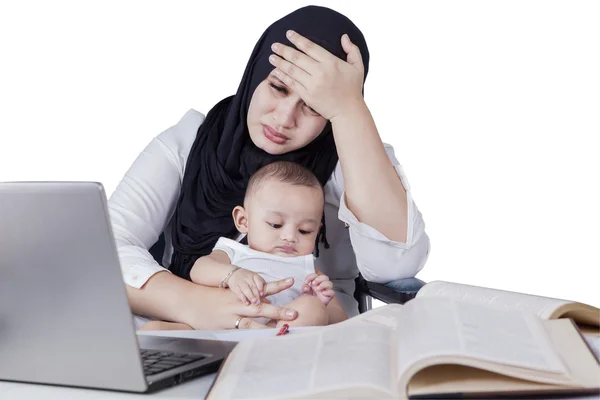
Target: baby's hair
[(283, 171), (292, 173)]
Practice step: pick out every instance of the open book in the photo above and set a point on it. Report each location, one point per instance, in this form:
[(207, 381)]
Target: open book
[(585, 316), (431, 347)]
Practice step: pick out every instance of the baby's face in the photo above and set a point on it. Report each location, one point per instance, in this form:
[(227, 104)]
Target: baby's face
[(284, 219)]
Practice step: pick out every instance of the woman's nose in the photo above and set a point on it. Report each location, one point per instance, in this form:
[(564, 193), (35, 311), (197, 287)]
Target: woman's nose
[(285, 114)]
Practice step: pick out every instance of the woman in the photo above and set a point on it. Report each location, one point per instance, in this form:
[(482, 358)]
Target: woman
[(300, 99)]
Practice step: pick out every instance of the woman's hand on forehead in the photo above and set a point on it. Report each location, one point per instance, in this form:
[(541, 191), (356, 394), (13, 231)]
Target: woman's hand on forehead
[(327, 84)]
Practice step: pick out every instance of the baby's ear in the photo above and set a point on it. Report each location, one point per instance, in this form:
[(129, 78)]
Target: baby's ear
[(239, 219)]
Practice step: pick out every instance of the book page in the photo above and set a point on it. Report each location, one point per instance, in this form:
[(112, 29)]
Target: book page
[(314, 362), (438, 327), (441, 380), (386, 316), (501, 299), (593, 342)]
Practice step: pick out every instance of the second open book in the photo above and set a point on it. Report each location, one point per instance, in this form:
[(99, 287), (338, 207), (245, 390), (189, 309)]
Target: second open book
[(584, 315), (433, 346)]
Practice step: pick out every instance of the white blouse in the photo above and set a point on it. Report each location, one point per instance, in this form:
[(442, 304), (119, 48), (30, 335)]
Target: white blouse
[(143, 204)]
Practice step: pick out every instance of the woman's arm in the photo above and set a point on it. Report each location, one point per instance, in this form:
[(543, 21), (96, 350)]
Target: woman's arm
[(374, 192), (333, 88), (170, 298), (378, 258), (145, 199), (386, 230)]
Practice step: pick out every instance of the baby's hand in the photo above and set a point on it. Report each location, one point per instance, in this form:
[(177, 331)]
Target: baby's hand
[(320, 286), (248, 285)]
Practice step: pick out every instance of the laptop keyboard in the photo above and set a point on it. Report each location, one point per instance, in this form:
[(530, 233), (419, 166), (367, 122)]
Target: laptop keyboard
[(159, 361)]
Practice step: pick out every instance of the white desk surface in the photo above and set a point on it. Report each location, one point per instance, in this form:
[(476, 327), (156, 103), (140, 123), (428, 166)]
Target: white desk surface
[(194, 389)]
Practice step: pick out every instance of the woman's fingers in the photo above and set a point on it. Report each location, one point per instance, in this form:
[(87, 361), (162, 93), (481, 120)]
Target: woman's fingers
[(308, 47), (290, 81), (266, 311), (278, 286), (353, 55), (290, 70), (247, 323), (295, 57)]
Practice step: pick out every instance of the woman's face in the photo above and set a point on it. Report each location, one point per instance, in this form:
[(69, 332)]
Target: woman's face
[(278, 120)]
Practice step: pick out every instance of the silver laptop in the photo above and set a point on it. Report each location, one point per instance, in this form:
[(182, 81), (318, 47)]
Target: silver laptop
[(64, 314)]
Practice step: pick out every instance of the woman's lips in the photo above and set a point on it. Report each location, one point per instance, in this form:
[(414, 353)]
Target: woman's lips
[(273, 135)]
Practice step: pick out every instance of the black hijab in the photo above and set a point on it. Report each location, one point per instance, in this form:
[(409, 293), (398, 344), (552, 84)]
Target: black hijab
[(223, 157)]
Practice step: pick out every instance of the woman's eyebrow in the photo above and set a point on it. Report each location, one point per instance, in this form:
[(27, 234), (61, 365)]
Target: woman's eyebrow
[(279, 80)]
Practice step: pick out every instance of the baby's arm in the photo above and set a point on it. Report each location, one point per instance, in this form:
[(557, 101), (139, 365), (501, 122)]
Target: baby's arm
[(336, 312), (211, 269), (319, 285), (216, 270)]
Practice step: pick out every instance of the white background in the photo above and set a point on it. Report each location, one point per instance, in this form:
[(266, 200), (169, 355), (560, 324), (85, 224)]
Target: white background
[(492, 107)]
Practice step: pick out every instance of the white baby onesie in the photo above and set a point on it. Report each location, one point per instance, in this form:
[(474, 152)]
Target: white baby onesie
[(271, 267)]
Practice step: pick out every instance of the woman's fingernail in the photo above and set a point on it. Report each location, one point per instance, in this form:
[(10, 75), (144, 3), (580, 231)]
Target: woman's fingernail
[(289, 34), (289, 280), (272, 59), (290, 313), (274, 46)]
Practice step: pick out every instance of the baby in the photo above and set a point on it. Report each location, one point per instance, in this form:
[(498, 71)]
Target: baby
[(281, 216)]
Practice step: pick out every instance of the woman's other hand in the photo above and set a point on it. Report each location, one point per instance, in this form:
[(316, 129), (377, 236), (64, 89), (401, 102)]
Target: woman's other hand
[(326, 83)]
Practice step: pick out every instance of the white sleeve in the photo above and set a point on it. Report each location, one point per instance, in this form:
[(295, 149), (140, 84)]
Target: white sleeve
[(378, 258), (145, 199), (225, 245)]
